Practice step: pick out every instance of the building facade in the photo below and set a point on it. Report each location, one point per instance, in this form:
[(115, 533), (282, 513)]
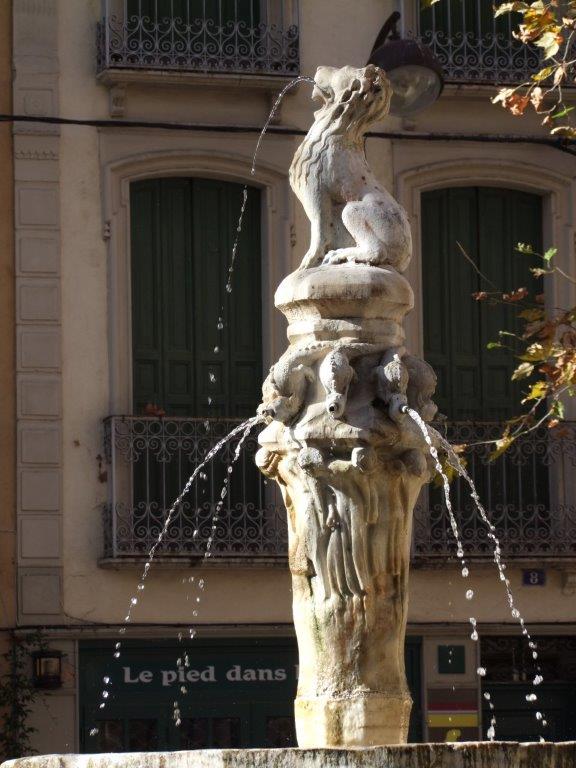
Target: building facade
[(132, 360)]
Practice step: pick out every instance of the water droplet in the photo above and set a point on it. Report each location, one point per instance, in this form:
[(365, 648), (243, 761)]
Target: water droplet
[(106, 680), (178, 662), (515, 613), (531, 697), (94, 732), (539, 715), (102, 705), (192, 633), (140, 587), (481, 671), (230, 470), (209, 401), (212, 377), (122, 631), (201, 584), (491, 733), (465, 572), (220, 325), (179, 637), (117, 654), (534, 655), (183, 689), (537, 680), (544, 723), (216, 350), (469, 594), (487, 696), (474, 636), (178, 722), (105, 694), (134, 601), (117, 646), (228, 287)]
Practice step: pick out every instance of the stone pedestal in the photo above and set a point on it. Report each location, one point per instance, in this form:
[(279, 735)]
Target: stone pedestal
[(482, 755)]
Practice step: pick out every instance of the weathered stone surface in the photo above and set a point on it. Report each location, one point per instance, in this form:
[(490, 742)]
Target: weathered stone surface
[(349, 461), (472, 755)]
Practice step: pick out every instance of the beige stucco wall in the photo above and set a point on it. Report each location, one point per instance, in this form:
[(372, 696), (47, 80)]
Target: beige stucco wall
[(88, 159)]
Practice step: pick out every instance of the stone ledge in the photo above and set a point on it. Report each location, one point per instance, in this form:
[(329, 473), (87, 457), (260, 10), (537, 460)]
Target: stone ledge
[(465, 755)]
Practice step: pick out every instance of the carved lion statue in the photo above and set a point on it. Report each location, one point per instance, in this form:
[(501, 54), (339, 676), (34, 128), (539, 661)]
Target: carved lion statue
[(352, 217)]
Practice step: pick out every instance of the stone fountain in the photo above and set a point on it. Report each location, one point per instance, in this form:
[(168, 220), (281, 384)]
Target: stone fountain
[(348, 459), (350, 462)]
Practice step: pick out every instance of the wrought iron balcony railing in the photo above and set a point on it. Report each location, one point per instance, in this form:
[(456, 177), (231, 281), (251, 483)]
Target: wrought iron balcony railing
[(473, 46), (150, 460), (529, 494), (239, 37)]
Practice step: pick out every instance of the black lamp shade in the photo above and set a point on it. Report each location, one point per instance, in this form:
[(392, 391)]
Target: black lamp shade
[(414, 72)]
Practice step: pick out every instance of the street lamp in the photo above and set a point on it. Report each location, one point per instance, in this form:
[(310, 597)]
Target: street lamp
[(47, 669), (413, 70)]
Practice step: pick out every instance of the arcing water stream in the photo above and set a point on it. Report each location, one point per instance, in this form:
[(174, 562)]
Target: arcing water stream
[(244, 428), (497, 555)]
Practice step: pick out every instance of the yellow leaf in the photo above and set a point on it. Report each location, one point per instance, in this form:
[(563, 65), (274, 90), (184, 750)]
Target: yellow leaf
[(537, 391)]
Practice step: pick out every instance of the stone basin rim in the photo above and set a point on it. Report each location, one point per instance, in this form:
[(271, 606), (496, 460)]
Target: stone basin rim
[(516, 752)]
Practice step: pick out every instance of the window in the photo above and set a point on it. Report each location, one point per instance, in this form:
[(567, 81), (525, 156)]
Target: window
[(182, 232), (469, 236)]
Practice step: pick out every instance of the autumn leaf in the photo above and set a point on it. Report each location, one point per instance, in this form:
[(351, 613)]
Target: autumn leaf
[(509, 8), (523, 371), (532, 314), (517, 295), (502, 446), (480, 295), (537, 391)]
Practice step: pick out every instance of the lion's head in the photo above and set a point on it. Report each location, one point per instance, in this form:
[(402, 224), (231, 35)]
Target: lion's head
[(352, 96)]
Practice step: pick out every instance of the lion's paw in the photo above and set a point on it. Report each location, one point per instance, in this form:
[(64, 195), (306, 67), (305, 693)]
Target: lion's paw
[(335, 257)]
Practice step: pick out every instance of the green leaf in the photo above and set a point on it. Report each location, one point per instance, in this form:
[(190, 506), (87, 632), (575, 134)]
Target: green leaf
[(562, 113), (523, 371), (549, 255), (494, 345), (524, 248), (558, 409)]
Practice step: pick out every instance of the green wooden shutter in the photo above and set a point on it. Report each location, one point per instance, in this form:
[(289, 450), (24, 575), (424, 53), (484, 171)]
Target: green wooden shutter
[(182, 237), (473, 382)]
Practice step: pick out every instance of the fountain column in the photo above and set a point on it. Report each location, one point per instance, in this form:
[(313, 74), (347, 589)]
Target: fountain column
[(348, 460)]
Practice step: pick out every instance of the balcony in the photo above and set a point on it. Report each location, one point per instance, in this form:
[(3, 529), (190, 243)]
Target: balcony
[(150, 460), (475, 48), (529, 494), (171, 40)]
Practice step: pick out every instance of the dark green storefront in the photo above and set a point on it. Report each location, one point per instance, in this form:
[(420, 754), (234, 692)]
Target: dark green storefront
[(230, 693)]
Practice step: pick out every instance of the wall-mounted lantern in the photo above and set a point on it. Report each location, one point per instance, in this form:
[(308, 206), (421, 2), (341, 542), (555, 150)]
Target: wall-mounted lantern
[(415, 73), (47, 670)]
